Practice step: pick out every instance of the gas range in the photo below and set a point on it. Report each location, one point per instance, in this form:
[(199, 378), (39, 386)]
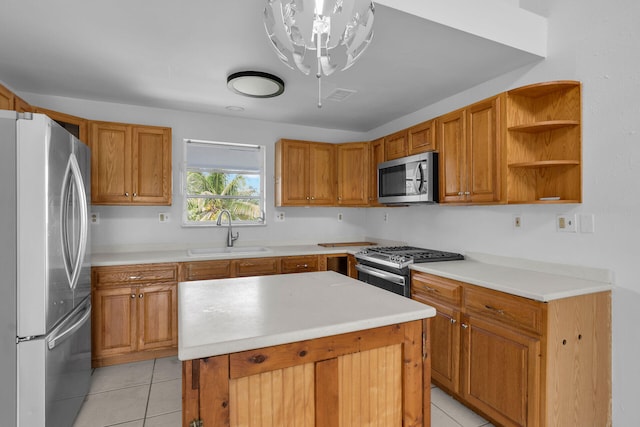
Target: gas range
[(400, 257)]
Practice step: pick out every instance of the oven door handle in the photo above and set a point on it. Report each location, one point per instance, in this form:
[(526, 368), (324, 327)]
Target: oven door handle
[(394, 278)]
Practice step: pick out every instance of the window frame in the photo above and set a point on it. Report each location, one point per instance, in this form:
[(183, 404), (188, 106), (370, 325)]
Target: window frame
[(262, 190)]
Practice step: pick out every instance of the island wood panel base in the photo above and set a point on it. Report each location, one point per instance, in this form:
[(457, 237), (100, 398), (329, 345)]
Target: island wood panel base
[(377, 377)]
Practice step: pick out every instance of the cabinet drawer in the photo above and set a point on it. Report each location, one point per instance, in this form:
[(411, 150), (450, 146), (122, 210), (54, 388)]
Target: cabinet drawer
[(507, 309), (256, 266), (134, 274), (206, 270), (437, 288), (299, 264)]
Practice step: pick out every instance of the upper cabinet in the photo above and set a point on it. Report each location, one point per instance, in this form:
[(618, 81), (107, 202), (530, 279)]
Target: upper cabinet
[(353, 174), (11, 101), (396, 145), (131, 164), (305, 173), (376, 155), (76, 126), (422, 138), (470, 144), (544, 143)]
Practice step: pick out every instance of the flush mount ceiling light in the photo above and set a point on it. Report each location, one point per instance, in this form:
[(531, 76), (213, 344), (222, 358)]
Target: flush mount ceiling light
[(255, 84), (331, 33)]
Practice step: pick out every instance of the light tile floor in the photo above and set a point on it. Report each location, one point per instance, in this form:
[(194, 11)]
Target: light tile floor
[(149, 394)]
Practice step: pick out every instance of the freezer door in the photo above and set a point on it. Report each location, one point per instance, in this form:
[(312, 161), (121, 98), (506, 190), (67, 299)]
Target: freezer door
[(54, 372), (52, 225)]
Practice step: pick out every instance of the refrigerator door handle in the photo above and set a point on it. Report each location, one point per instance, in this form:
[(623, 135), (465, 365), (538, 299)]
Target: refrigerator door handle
[(73, 256), (57, 336)]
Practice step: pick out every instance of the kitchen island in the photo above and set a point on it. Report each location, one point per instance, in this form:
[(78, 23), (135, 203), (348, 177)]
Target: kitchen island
[(308, 349)]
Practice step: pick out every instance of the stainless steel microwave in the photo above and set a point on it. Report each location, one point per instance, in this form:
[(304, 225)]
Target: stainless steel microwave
[(412, 179)]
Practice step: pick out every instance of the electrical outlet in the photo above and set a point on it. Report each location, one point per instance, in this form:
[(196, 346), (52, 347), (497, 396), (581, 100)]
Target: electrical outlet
[(566, 223), (95, 218), (340, 217), (517, 221), (280, 216), (163, 217)]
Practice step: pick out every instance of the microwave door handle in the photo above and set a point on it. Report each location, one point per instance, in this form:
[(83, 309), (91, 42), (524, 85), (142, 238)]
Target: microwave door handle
[(417, 186)]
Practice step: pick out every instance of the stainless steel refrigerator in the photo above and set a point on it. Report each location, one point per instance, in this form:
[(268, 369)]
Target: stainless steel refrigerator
[(45, 280)]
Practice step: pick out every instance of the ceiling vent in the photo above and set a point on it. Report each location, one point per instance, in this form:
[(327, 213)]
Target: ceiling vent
[(340, 95)]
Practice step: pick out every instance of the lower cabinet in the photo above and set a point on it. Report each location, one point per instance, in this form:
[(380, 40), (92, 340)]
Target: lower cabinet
[(134, 313), (517, 361)]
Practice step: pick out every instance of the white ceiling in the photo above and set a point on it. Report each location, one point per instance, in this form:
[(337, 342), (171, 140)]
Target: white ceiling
[(177, 55)]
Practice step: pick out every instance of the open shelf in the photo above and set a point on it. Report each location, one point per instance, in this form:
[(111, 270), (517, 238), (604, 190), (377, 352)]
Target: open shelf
[(545, 126), (544, 147), (544, 164)]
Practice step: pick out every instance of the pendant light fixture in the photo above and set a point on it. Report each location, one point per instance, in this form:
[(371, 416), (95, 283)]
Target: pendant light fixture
[(328, 35)]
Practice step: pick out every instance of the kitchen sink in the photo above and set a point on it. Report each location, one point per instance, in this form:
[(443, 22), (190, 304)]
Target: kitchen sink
[(240, 250)]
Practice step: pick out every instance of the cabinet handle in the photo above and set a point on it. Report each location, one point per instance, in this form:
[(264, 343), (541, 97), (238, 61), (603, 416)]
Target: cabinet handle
[(428, 289), (133, 295), (460, 193), (126, 193), (302, 265), (308, 197), (495, 310), (313, 198), (466, 193), (135, 277), (464, 325), (141, 295), (453, 321), (135, 194)]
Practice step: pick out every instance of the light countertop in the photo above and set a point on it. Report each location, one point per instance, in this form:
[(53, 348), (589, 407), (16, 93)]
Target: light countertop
[(172, 254), (540, 281), (230, 315)]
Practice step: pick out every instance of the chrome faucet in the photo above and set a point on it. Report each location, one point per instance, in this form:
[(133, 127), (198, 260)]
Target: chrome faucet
[(230, 237)]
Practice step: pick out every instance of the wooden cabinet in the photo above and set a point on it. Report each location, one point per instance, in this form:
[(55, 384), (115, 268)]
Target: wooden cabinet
[(544, 143), (396, 145), (134, 313), (6, 98), (353, 174), (76, 126), (517, 361), (376, 155), (470, 144), (131, 164), (305, 173), (205, 270), (299, 264), (256, 267), (422, 138), (11, 101)]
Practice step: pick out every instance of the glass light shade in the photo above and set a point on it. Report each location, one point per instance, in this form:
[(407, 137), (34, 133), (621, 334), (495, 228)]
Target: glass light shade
[(255, 84), (330, 33)]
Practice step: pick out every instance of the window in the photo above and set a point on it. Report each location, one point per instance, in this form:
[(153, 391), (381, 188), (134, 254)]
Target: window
[(223, 176)]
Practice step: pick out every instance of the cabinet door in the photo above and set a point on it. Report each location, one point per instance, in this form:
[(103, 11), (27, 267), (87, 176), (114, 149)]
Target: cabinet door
[(292, 163), (395, 145), (110, 163), (422, 138), (376, 155), (444, 330), (114, 321), (206, 270), (452, 162), (151, 165), (353, 174), (483, 151), (322, 174), (157, 316), (501, 372)]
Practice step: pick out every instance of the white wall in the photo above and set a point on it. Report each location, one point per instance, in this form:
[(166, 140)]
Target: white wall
[(597, 43), (135, 227)]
